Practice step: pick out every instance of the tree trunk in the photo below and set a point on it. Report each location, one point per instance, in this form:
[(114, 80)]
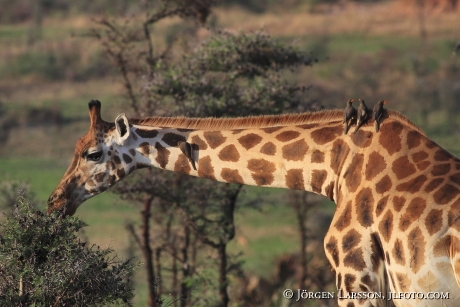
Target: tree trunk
[(185, 268), (147, 251), (223, 274)]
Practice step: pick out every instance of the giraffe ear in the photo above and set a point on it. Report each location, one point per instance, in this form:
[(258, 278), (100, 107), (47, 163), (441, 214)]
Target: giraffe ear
[(122, 128)]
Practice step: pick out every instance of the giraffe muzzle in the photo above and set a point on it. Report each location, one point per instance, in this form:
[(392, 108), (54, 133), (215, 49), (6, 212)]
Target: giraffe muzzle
[(56, 201)]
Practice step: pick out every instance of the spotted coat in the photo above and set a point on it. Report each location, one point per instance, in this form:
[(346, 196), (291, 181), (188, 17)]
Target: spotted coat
[(396, 227)]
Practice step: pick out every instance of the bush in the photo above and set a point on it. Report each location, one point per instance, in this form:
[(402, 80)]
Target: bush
[(44, 263), (11, 189)]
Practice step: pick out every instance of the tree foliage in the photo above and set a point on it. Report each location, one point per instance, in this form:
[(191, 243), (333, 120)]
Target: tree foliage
[(44, 263), (231, 75)]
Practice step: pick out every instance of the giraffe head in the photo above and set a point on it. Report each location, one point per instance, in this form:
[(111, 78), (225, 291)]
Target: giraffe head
[(98, 163)]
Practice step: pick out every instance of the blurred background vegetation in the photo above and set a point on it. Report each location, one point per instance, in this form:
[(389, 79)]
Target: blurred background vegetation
[(52, 64)]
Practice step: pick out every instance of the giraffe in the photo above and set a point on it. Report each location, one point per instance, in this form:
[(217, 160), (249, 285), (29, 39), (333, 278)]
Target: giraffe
[(396, 227)]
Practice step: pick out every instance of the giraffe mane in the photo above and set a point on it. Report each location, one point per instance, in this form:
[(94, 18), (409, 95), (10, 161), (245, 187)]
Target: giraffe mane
[(262, 121)]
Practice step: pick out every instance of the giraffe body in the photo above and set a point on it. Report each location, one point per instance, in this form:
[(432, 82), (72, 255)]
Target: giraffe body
[(396, 227)]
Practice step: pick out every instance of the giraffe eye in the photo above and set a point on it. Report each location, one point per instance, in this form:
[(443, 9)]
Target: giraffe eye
[(95, 156)]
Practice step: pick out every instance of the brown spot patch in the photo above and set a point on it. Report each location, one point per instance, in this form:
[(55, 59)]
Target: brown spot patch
[(330, 190), (413, 139), (430, 144), (162, 155), (127, 158), (430, 279), (147, 134), (381, 205), (250, 140), (205, 168), (398, 203), (262, 171), (349, 281), (182, 165), (332, 248), (345, 218), (364, 203), (362, 138), (145, 148), (294, 179), (172, 139), (237, 131), (416, 245), (317, 156), (268, 149), (423, 165), (99, 177), (214, 138), (389, 137), (453, 217), (419, 156), (295, 151), (433, 184), (271, 129), (403, 282), (132, 151), (413, 212), (412, 186), (121, 173), (398, 252), (402, 167), (287, 136), (308, 126), (353, 173), (354, 259), (229, 153), (325, 135), (445, 194), (384, 185), (232, 176), (442, 155), (198, 141), (440, 169), (433, 221), (317, 180), (441, 248), (350, 240), (339, 153), (386, 226), (455, 178), (375, 165), (116, 159)]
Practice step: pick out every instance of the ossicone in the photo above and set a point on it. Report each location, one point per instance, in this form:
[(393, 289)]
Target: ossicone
[(95, 112)]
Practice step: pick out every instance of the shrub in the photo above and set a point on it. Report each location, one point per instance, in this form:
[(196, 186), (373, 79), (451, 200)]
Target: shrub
[(44, 263)]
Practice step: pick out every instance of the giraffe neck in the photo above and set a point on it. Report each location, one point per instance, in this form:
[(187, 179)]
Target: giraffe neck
[(307, 157)]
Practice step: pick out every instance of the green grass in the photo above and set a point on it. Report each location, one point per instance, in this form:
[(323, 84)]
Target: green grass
[(10, 34)]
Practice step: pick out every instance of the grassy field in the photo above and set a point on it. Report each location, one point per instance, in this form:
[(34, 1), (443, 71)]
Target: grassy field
[(376, 44)]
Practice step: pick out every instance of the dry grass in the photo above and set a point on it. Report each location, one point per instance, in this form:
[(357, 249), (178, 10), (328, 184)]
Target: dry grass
[(390, 18)]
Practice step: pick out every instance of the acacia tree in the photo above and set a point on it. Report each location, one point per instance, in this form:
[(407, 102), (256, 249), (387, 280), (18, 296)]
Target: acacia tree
[(225, 75)]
